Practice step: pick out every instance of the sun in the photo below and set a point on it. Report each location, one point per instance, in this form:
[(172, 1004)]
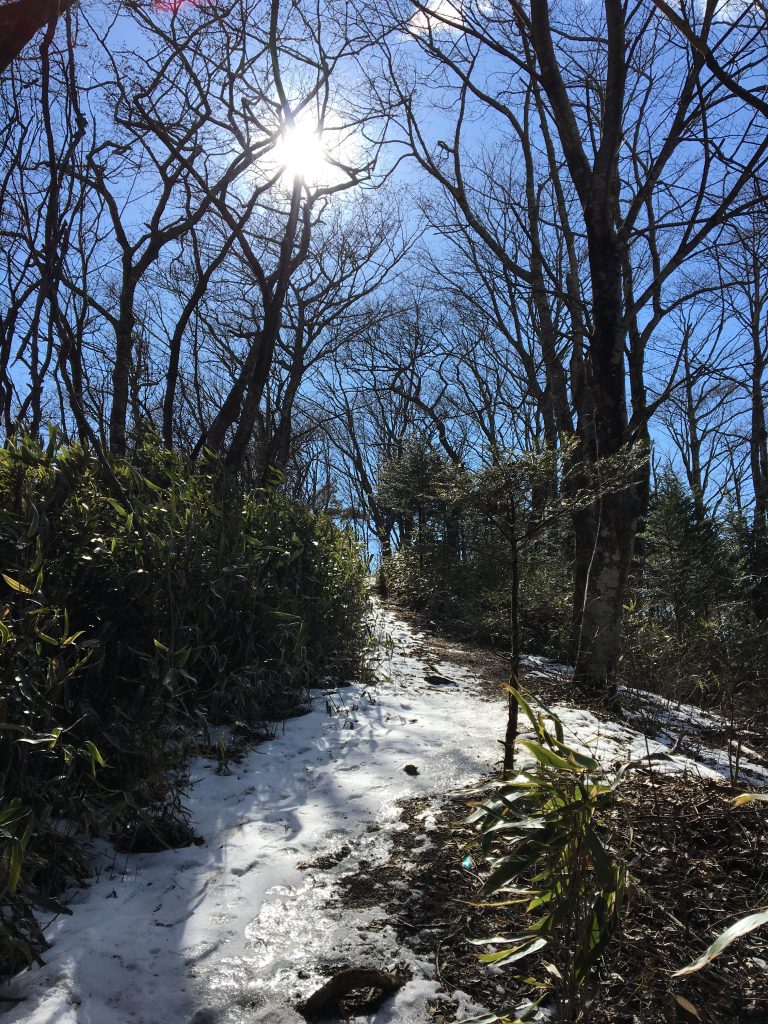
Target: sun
[(302, 153), (320, 152)]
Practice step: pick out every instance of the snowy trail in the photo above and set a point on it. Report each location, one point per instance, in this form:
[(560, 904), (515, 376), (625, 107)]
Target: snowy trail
[(241, 928), (235, 930)]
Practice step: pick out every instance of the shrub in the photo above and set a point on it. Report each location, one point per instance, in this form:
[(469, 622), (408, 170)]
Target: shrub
[(455, 555), (690, 632), (142, 602), (548, 830)]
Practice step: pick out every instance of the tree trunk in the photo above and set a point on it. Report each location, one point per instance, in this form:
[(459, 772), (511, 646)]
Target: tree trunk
[(245, 397), (216, 434), (603, 565), (121, 372), (606, 568), (174, 345), (279, 448), (20, 20), (758, 458), (603, 553), (255, 389), (510, 735)]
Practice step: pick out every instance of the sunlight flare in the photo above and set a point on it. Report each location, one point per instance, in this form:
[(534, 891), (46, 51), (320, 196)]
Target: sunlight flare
[(313, 153), (302, 153)]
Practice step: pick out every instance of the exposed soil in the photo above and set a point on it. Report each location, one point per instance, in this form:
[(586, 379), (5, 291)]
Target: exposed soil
[(491, 664), (746, 720), (696, 863)]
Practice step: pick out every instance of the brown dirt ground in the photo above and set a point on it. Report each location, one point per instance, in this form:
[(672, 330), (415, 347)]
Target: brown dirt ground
[(696, 864)]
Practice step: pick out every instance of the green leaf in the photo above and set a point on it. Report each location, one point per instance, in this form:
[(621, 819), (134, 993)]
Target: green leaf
[(487, 1018), (19, 587), (547, 757), (14, 813), (530, 1011), (523, 855), (524, 705), (508, 956), (48, 639), (741, 927), (499, 940), (287, 617), (96, 758), (34, 523), (583, 760), (601, 862), (182, 656), (14, 865)]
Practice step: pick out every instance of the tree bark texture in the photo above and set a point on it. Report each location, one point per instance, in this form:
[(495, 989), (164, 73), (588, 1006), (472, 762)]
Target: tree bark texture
[(605, 534), (21, 20)]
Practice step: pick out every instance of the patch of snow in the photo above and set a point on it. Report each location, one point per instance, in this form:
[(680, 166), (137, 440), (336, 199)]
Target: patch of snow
[(670, 733), (546, 666), (237, 930)]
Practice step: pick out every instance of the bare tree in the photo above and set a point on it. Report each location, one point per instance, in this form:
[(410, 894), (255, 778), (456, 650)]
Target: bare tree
[(744, 261), (334, 301), (702, 414), (644, 181), (746, 19), (175, 163)]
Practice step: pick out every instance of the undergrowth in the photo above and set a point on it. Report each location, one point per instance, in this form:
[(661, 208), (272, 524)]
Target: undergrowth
[(141, 602), (550, 833)]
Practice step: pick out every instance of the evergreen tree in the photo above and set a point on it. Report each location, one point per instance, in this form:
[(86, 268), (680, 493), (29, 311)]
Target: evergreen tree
[(689, 566)]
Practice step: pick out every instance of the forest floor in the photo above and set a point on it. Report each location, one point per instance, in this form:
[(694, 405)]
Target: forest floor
[(338, 845)]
